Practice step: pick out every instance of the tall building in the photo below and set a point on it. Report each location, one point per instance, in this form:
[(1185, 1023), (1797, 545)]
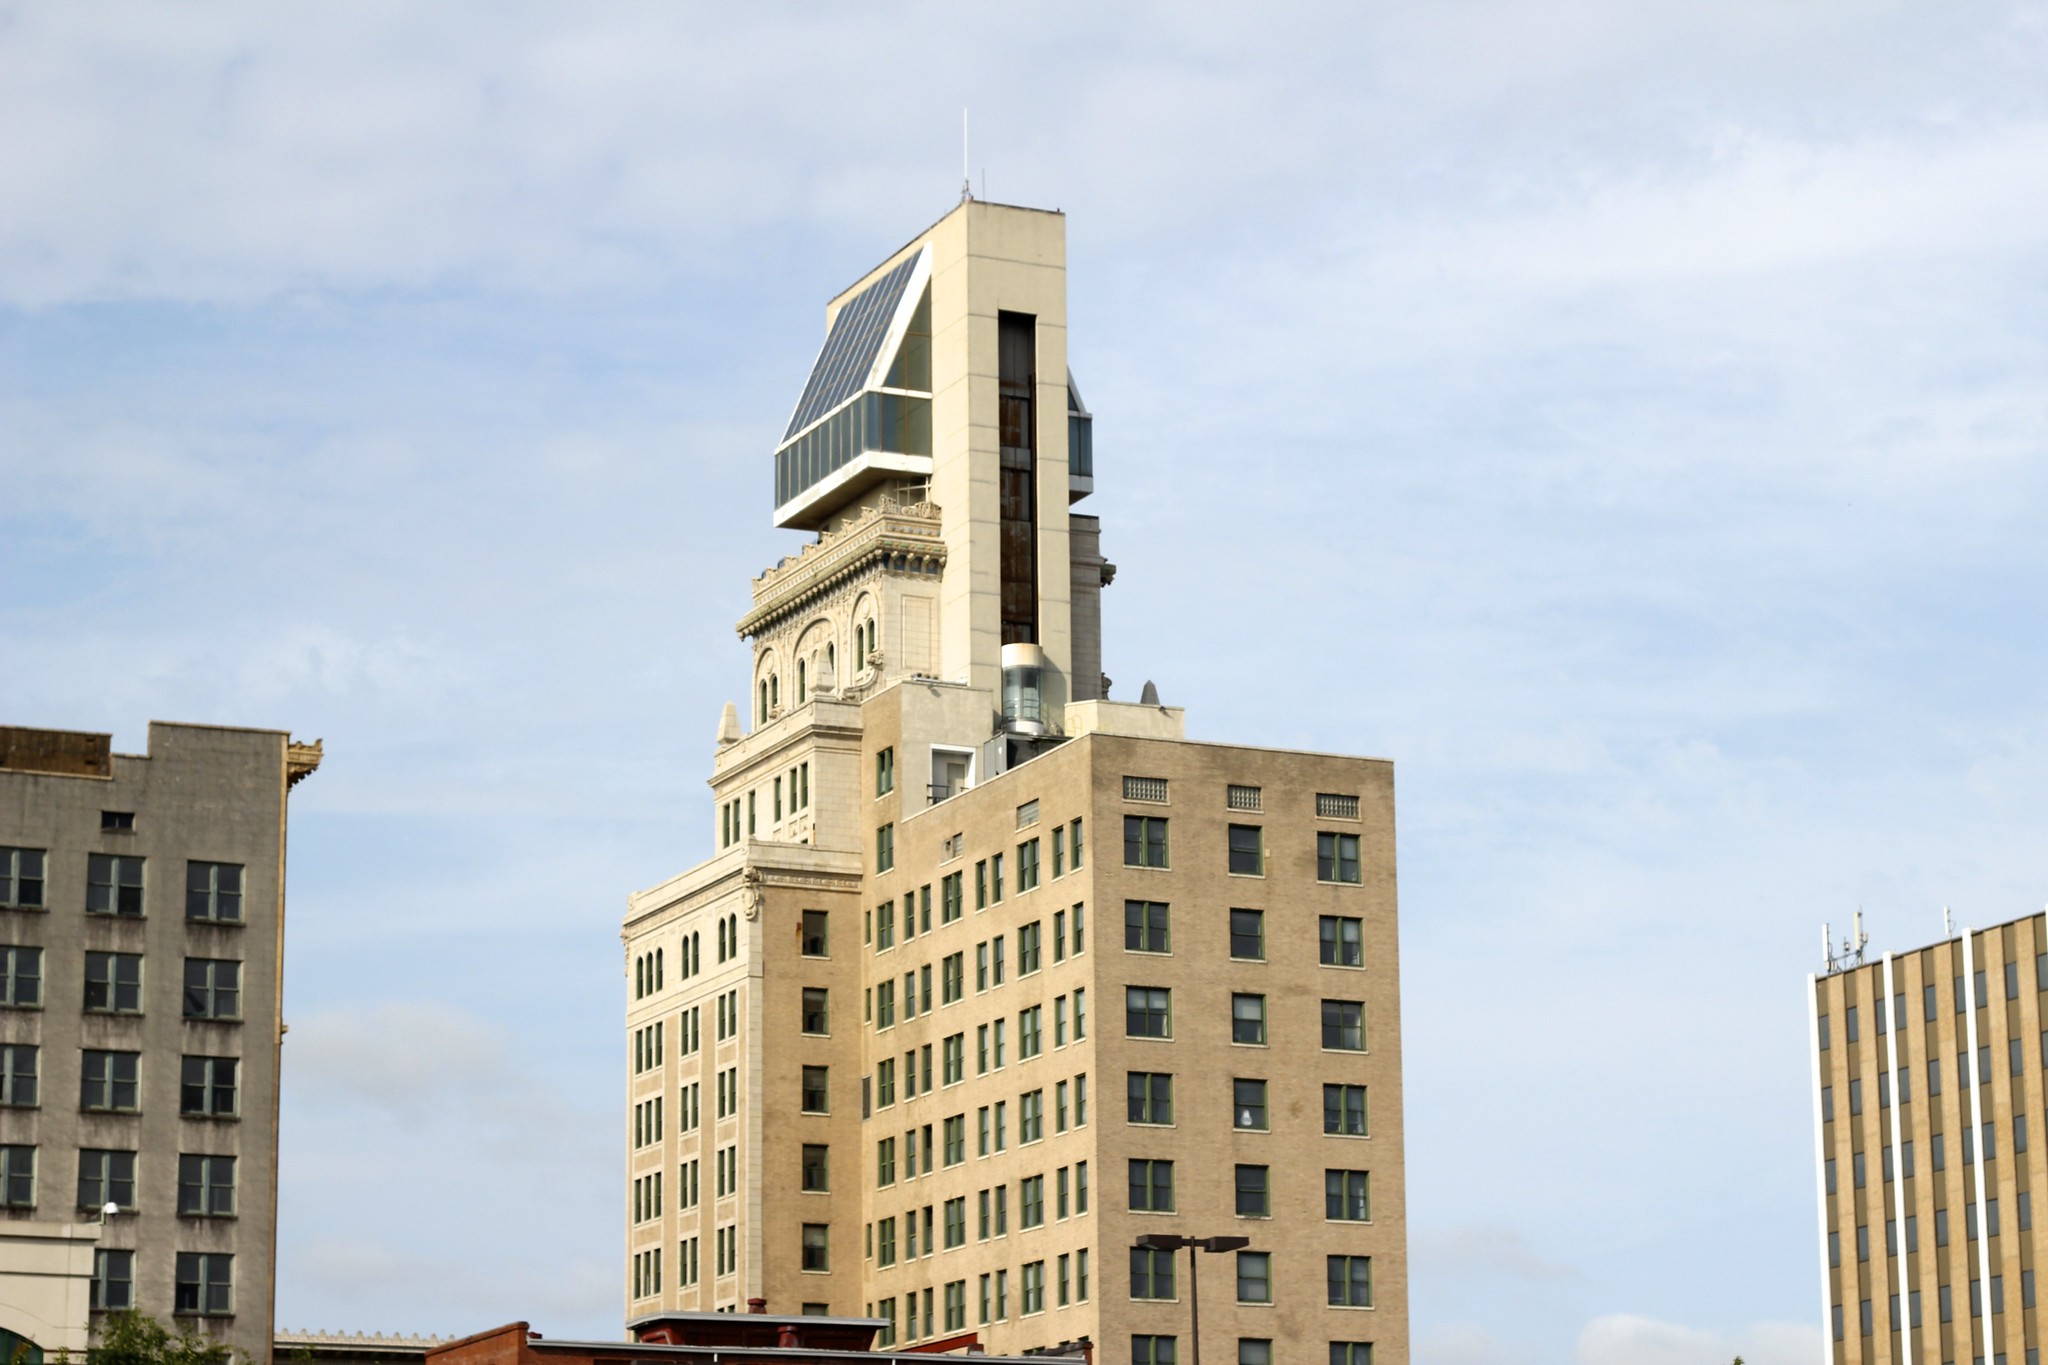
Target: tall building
[(141, 962), (1928, 1077), (991, 976)]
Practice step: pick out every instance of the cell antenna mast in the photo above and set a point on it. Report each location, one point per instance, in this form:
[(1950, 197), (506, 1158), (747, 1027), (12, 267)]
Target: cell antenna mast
[(966, 179)]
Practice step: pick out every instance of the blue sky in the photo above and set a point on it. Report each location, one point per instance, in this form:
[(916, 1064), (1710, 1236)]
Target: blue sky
[(1630, 419)]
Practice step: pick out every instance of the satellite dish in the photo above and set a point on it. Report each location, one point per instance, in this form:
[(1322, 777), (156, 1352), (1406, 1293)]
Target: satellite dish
[(109, 1209)]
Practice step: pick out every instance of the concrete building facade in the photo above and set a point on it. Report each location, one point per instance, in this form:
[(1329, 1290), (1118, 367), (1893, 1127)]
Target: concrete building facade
[(989, 976), (1928, 1100), (141, 966)]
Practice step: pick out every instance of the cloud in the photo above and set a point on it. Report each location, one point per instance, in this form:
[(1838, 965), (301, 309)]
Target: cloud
[(392, 1287), (1463, 1344), (1480, 1249), (1623, 1339), (428, 1065)]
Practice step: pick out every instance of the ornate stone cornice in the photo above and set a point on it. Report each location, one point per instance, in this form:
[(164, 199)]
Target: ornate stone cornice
[(904, 538)]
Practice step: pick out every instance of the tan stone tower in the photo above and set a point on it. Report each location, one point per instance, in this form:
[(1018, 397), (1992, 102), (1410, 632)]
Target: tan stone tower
[(991, 977), (1928, 1094)]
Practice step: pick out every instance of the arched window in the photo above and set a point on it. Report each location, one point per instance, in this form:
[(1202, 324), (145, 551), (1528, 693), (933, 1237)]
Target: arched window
[(657, 969), (831, 658), (639, 978), (774, 690), (860, 646), (761, 716), (800, 667), (872, 646)]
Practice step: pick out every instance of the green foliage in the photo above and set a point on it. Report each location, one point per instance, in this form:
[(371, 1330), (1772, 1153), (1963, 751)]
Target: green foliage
[(139, 1339)]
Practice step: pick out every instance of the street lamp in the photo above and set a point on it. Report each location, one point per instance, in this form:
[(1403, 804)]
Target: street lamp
[(1167, 1241)]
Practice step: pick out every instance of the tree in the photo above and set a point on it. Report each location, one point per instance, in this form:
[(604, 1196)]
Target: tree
[(139, 1339)]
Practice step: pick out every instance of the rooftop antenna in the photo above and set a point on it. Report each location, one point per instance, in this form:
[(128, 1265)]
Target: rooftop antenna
[(1827, 947), (1859, 938), (1948, 923), (966, 178)]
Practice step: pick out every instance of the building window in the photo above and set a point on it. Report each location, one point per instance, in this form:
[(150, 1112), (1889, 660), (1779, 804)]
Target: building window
[(885, 772), (207, 1086), (1344, 1110), (1248, 935), (1031, 1116), (817, 1247), (1254, 1351), (1147, 927), (1151, 1186), (1247, 850), (1027, 866), (113, 983), (108, 1081), (19, 1068), (21, 878), (105, 1178), (1145, 841), (1350, 1281), (206, 1284), (1248, 1019), (1331, 806), (1030, 950), (1345, 1197), (1337, 857), (817, 1170), (1030, 1032), (1152, 1350), (1344, 1025), (213, 892), (1074, 843), (1034, 1287), (817, 940), (1360, 1352), (885, 1161), (1150, 1096), (1254, 1192), (113, 1281), (113, 884), (21, 977), (1150, 789), (1148, 1012), (885, 848), (1248, 1105), (816, 1093), (18, 1177), (206, 1187), (1343, 941), (1238, 797), (1254, 1277), (213, 988), (816, 1011), (1151, 1273), (952, 896), (1031, 1201), (953, 1059)]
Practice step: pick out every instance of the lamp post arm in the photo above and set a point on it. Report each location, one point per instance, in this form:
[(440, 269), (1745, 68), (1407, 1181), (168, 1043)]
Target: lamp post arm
[(1195, 1298)]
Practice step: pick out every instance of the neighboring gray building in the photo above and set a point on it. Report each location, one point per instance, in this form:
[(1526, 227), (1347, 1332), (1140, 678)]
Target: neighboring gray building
[(141, 965)]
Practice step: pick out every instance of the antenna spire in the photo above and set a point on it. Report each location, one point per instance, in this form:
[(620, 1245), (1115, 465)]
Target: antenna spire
[(966, 177)]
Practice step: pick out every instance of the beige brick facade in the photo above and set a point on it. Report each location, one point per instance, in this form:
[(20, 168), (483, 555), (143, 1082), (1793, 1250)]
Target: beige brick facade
[(1926, 1178), (882, 1044)]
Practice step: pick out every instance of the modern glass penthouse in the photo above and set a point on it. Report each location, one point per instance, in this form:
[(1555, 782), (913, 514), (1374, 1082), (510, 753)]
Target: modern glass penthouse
[(993, 987)]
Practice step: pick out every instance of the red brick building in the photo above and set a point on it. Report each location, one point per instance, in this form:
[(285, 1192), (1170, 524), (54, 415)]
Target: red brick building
[(754, 1338)]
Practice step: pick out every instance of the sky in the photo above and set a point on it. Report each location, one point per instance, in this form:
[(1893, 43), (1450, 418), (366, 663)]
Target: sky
[(1628, 418)]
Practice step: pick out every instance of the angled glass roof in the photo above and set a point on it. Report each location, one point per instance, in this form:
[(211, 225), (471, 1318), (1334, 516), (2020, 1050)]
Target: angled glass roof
[(849, 353)]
